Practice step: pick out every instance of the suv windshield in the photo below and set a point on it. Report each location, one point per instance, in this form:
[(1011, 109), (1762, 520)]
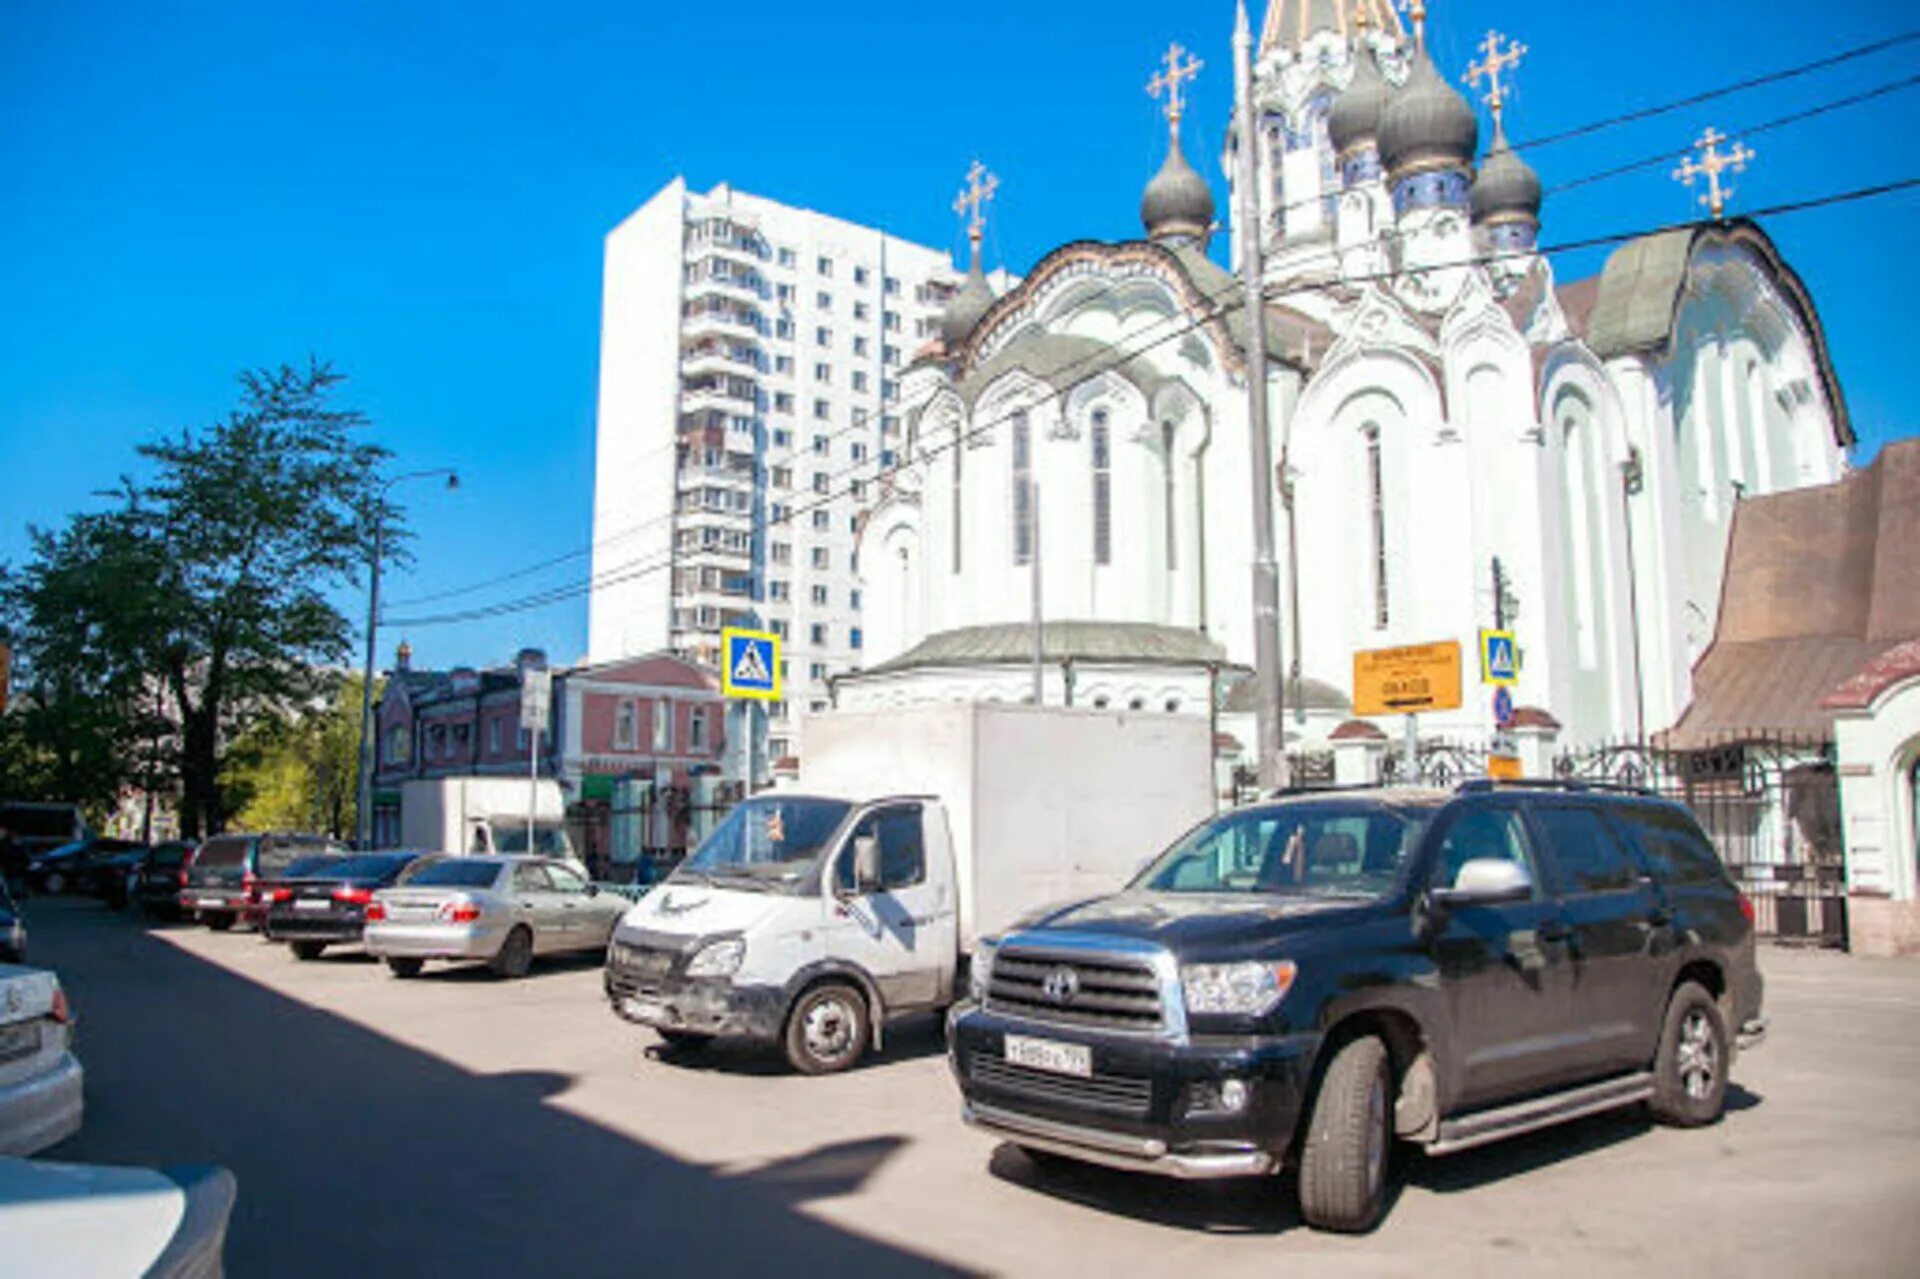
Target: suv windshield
[(768, 840), (1315, 848), (231, 851)]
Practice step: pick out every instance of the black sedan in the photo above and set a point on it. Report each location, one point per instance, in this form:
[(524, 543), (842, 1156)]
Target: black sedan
[(323, 903), (154, 885), (72, 868)]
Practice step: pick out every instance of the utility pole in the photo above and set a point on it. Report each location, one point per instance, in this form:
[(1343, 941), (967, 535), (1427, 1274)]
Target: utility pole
[(1269, 703)]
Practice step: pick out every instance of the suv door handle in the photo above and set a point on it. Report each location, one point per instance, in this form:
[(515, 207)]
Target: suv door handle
[(1553, 930)]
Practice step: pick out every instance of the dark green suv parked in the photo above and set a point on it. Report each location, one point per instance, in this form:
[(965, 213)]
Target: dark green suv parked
[(1304, 981)]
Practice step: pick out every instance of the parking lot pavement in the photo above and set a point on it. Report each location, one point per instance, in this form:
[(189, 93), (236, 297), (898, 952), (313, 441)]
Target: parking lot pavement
[(458, 1124)]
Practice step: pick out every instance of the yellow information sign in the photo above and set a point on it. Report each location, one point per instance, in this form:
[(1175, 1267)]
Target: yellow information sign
[(1406, 681), (1503, 768)]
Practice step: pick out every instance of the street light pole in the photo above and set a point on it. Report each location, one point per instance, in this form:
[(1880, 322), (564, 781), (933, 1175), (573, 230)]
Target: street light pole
[(363, 791), (1269, 703)]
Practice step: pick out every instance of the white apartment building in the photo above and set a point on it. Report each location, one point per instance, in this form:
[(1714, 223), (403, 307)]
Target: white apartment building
[(749, 366)]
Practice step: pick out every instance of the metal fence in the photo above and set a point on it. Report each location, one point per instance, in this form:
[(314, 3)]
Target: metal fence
[(647, 829)]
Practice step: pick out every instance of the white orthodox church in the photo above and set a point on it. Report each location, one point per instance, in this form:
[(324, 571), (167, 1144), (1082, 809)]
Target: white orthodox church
[(1439, 401)]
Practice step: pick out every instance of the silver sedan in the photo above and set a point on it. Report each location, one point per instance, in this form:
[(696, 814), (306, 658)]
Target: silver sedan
[(502, 910)]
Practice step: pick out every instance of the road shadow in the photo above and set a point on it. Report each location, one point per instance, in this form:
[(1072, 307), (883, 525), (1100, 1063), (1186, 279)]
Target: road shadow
[(912, 1038), (359, 1155), (1238, 1206)]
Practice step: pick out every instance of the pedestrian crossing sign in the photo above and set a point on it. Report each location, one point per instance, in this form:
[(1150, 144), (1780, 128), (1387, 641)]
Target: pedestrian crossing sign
[(750, 664), (1499, 658)]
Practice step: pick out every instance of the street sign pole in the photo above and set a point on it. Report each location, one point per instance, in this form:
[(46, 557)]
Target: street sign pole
[(536, 696)]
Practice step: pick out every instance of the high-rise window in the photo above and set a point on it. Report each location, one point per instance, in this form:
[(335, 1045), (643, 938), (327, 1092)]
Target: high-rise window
[(1377, 522), (1101, 434), (1022, 489)]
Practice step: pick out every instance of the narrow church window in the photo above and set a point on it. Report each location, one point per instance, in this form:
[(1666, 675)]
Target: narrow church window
[(959, 451), (1377, 508), (1166, 475), (1102, 489), (1022, 490)]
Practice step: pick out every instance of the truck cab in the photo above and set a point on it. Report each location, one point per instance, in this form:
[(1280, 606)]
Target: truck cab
[(803, 920)]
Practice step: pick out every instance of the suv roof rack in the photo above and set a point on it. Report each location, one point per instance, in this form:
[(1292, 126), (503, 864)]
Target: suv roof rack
[(1481, 785)]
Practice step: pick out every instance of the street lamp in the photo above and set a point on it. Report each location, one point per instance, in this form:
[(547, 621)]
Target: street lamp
[(363, 793)]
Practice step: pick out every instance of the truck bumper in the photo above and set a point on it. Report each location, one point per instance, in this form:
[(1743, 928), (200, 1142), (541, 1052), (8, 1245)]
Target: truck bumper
[(1149, 1105), (697, 1005)]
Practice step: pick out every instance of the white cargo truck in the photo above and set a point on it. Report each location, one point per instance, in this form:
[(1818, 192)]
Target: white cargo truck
[(469, 815), (812, 917)]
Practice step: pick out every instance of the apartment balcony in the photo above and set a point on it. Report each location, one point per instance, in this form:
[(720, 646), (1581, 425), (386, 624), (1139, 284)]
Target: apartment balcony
[(725, 324)]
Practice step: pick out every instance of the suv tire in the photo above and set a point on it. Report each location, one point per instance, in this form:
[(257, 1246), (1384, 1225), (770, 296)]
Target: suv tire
[(1690, 1067), (827, 1030), (1348, 1147), (307, 949)]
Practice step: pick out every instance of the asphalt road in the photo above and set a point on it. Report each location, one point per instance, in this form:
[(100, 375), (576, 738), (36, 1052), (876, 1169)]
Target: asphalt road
[(459, 1125)]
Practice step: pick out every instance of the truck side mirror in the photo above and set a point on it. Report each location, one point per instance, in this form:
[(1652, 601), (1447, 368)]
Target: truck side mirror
[(866, 863)]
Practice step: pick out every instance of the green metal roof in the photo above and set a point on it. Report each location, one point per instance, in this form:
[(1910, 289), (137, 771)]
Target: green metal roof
[(1011, 643)]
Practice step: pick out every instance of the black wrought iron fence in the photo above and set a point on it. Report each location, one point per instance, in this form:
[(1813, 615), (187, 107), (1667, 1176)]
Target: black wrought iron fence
[(647, 830)]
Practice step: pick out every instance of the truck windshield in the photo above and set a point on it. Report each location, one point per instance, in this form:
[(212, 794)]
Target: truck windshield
[(768, 840), (549, 838), (1326, 849)]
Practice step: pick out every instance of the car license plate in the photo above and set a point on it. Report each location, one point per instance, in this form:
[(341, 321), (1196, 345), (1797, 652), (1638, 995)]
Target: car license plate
[(19, 1041), (646, 1010), (311, 903), (210, 901), (1050, 1055)]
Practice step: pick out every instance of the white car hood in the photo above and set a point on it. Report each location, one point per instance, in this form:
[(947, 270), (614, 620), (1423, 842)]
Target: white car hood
[(84, 1221), (699, 910)]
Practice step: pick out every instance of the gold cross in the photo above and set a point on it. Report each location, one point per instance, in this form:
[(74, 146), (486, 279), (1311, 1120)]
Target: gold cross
[(1416, 10), (973, 200), (1169, 81), (1497, 61), (1712, 164)]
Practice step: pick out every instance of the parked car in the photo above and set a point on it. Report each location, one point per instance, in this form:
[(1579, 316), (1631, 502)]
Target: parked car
[(72, 868), (13, 928), (323, 902), (40, 1097), (501, 910), (153, 887), (1304, 981), (223, 879), (92, 1219), (109, 873)]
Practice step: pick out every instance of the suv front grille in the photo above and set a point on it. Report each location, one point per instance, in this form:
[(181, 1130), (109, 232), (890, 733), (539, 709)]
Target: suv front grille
[(1116, 992), (1110, 1094)]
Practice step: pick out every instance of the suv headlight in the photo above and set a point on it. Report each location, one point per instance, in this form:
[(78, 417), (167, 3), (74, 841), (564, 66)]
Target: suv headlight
[(980, 971), (1241, 990), (718, 958)]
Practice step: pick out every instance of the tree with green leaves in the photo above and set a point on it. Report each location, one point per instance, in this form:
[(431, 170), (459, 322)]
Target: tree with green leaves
[(221, 560), (299, 772)]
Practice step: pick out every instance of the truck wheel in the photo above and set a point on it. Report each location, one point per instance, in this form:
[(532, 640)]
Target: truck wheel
[(1343, 1159), (219, 923), (307, 949), (516, 954), (1690, 1067), (827, 1030), (405, 967)]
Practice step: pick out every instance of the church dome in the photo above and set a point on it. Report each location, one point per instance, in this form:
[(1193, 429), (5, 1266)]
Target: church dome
[(968, 307), (1426, 124), (1178, 202), (1505, 187), (1355, 115)]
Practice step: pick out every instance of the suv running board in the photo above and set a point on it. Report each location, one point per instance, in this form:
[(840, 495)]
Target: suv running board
[(1484, 1126)]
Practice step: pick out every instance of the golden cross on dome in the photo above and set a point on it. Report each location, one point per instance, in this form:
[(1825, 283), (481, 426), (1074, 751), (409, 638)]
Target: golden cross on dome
[(973, 200), (1496, 62), (1170, 81), (1714, 162), (1417, 11)]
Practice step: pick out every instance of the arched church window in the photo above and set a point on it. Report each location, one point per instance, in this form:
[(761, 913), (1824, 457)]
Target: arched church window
[(1166, 496), (1100, 434), (1022, 489), (1377, 525), (959, 504)]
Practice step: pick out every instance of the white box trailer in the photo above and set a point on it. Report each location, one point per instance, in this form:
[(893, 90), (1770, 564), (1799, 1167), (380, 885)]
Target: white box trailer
[(467, 815), (1044, 804)]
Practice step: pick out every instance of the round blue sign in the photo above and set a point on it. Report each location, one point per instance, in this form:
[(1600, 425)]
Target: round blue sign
[(1503, 708)]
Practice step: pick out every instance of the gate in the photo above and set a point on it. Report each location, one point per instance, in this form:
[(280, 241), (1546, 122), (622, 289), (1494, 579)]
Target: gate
[(648, 828), (1770, 804)]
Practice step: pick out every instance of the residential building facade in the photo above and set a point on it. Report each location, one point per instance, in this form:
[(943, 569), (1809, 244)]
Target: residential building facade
[(749, 401)]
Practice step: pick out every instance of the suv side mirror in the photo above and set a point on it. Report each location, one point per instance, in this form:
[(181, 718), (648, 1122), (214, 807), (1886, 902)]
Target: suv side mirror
[(866, 863), (1487, 881)]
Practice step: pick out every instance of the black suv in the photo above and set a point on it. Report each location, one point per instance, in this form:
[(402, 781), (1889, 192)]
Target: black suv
[(1300, 982), (222, 881)]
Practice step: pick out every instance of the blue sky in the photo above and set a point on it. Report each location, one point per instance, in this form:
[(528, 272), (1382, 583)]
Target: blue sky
[(418, 192)]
